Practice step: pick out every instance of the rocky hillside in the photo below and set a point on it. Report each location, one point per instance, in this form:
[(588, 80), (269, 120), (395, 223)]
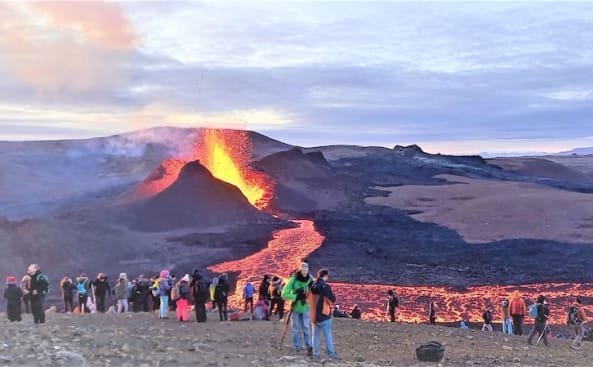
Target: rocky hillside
[(143, 340)]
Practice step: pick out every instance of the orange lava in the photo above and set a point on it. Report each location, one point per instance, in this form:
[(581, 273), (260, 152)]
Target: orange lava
[(282, 255), (288, 246), (226, 154)]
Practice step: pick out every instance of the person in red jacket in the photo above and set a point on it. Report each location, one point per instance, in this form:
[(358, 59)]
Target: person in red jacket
[(518, 310)]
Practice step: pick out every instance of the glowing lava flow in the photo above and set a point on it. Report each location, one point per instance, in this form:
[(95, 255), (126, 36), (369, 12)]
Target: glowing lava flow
[(282, 255), (226, 154), (288, 246)]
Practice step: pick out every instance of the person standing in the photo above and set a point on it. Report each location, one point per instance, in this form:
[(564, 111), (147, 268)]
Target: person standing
[(539, 324), (296, 290), (121, 293), (392, 304), (25, 286), (101, 288), (68, 294), (487, 317), (323, 300), (507, 325), (518, 310), (13, 295), (200, 292), (183, 299), (164, 289), (82, 286), (221, 293), (432, 313), (248, 292), (38, 288), (277, 303), (576, 318)]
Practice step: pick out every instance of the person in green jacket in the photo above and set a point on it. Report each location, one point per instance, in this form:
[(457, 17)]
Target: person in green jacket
[(296, 290)]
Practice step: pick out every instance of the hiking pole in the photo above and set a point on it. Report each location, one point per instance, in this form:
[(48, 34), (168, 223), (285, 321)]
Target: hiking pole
[(545, 330), (286, 323)]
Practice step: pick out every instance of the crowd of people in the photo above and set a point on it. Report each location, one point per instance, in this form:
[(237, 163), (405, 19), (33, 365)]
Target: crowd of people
[(312, 303)]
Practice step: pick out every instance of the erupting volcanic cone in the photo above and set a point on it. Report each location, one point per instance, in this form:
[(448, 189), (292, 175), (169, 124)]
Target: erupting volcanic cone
[(195, 200)]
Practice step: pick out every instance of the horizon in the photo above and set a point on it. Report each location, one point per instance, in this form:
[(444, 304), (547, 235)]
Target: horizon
[(454, 78)]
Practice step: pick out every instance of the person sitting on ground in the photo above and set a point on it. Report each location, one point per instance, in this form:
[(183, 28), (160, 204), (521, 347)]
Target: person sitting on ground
[(262, 311), (355, 313), (539, 324), (14, 296), (337, 313), (487, 317), (464, 324), (248, 292)]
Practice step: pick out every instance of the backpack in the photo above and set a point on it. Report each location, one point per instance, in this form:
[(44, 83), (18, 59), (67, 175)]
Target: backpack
[(81, 288), (43, 277), (155, 288), (573, 316), (175, 294), (533, 310)]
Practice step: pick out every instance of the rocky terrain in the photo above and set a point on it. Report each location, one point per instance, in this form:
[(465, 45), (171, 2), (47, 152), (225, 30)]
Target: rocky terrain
[(142, 340)]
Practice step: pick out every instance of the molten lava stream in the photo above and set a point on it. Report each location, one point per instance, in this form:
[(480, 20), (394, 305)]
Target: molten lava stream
[(226, 154), (282, 255), (453, 306)]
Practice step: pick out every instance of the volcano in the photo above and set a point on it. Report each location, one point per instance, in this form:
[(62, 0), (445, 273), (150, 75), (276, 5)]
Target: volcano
[(196, 199)]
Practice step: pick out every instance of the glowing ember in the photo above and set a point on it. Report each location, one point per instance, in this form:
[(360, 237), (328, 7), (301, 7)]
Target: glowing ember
[(226, 154), (288, 246)]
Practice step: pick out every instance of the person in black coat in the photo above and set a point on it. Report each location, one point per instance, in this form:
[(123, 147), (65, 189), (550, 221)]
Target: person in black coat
[(221, 293), (13, 295), (201, 293), (101, 289), (38, 288), (67, 294), (323, 317)]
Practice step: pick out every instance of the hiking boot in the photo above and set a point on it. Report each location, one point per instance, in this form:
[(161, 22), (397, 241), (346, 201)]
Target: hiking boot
[(334, 357), (310, 352)]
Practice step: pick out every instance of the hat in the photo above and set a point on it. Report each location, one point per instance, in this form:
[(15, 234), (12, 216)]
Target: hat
[(304, 266), (10, 279), (164, 273), (123, 276), (185, 278)]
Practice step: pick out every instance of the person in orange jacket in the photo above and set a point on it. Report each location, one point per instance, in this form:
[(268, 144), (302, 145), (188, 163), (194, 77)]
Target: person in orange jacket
[(518, 310)]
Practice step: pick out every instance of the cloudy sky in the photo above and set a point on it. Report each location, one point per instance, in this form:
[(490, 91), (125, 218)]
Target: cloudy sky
[(454, 78)]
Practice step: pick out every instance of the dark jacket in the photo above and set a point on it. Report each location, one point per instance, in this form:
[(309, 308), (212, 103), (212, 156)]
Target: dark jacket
[(13, 295), (184, 291), (68, 290), (200, 288), (221, 291), (101, 286), (325, 293), (39, 283)]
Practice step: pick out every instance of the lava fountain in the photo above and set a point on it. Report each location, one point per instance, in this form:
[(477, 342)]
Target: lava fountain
[(226, 154)]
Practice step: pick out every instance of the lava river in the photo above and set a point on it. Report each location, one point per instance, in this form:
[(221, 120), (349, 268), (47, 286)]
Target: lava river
[(288, 246)]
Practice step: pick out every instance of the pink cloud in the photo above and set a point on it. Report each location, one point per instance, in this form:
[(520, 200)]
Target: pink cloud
[(69, 46)]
